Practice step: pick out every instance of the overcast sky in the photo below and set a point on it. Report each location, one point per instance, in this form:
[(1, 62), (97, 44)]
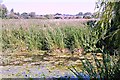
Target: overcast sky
[(51, 6)]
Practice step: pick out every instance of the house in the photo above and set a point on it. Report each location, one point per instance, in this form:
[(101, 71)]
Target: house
[(58, 16)]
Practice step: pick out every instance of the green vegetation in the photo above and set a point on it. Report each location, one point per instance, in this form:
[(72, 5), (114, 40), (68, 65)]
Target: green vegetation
[(103, 37), (49, 38), (3, 11), (108, 44), (108, 68)]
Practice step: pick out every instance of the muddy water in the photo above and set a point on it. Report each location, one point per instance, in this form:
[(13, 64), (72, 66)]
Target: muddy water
[(28, 71), (37, 66)]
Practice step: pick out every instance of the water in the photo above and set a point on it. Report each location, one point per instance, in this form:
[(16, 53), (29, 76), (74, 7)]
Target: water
[(35, 66)]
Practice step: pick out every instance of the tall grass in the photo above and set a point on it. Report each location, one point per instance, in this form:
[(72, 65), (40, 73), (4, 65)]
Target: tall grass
[(47, 38), (106, 69)]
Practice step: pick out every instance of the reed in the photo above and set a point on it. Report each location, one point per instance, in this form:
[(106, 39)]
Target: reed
[(47, 38)]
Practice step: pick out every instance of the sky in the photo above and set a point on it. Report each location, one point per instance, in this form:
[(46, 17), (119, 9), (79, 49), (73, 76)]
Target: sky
[(50, 6)]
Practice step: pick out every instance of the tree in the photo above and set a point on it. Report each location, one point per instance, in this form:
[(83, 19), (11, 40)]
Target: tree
[(12, 11), (48, 16), (32, 14), (108, 31), (18, 14), (80, 14), (87, 13), (25, 15), (3, 11), (109, 26)]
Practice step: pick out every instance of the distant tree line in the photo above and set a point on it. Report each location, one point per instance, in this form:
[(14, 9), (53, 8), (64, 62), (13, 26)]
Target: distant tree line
[(5, 14)]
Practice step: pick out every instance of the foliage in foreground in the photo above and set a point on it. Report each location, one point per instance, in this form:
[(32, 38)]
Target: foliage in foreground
[(107, 69), (109, 43)]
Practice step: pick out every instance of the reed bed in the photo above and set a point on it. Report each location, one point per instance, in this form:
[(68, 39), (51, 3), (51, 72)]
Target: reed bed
[(28, 35)]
